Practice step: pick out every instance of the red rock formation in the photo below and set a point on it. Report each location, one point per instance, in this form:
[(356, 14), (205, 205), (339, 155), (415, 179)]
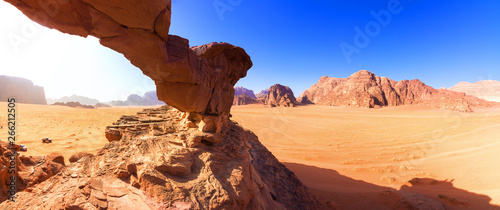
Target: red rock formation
[(163, 160), (198, 79), (280, 95), (364, 89), (30, 170), (487, 89), (243, 100), (23, 90), (241, 90)]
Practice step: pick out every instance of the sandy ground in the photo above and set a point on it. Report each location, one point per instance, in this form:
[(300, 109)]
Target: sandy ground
[(353, 154), (350, 158), (72, 130)]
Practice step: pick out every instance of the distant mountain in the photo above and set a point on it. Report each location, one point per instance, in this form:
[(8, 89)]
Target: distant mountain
[(74, 98), (262, 94), (365, 89), (23, 90), (149, 99), (487, 89), (241, 90)]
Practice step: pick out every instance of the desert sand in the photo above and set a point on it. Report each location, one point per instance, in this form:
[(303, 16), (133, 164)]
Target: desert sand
[(350, 158), (72, 130), (345, 155)]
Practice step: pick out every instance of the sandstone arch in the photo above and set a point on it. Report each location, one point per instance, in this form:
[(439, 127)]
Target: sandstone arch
[(198, 79)]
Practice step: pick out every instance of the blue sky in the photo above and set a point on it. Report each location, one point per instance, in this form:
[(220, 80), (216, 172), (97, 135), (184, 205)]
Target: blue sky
[(294, 43)]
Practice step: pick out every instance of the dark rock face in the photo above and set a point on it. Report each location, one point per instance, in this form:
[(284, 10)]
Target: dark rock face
[(280, 95), (365, 89), (163, 160), (241, 90), (23, 90)]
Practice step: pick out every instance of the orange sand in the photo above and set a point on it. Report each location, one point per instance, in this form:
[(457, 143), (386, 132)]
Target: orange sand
[(331, 148), (350, 158), (72, 130)]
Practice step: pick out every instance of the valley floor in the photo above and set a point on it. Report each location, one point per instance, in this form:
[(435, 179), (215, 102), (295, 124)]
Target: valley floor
[(345, 155), (351, 158)]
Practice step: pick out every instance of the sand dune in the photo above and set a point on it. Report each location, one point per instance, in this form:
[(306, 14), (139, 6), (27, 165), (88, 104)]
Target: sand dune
[(384, 147)]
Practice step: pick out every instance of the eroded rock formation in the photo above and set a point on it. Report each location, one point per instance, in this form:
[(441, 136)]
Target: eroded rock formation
[(280, 95), (23, 90), (198, 79), (162, 159), (487, 89), (243, 100), (365, 89), (241, 90), (262, 94), (30, 170)]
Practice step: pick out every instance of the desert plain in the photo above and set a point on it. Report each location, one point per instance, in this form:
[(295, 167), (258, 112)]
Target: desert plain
[(350, 158)]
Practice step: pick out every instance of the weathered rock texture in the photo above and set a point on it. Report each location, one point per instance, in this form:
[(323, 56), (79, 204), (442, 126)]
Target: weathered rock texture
[(31, 170), (23, 90), (198, 79), (280, 95), (364, 89), (487, 89), (243, 100), (241, 90), (163, 160)]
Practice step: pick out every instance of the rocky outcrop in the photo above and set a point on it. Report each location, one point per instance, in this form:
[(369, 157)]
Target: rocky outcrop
[(243, 100), (280, 95), (241, 90), (262, 94), (365, 89), (148, 99), (164, 160), (30, 170), (22, 90), (487, 89), (198, 79)]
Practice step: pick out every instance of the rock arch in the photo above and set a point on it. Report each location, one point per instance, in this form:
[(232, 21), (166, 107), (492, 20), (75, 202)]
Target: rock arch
[(192, 79)]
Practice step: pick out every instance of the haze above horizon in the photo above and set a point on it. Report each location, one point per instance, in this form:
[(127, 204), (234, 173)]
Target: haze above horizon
[(291, 43)]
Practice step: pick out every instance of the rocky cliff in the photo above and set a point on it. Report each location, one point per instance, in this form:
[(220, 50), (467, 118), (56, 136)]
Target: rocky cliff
[(23, 90), (365, 89), (280, 95), (243, 100), (487, 89), (162, 159), (241, 90)]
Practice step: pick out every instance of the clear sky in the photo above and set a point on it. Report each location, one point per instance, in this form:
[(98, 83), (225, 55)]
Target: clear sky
[(291, 42)]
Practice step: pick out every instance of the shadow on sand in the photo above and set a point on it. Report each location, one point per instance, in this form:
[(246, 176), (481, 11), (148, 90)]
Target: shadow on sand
[(336, 191)]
